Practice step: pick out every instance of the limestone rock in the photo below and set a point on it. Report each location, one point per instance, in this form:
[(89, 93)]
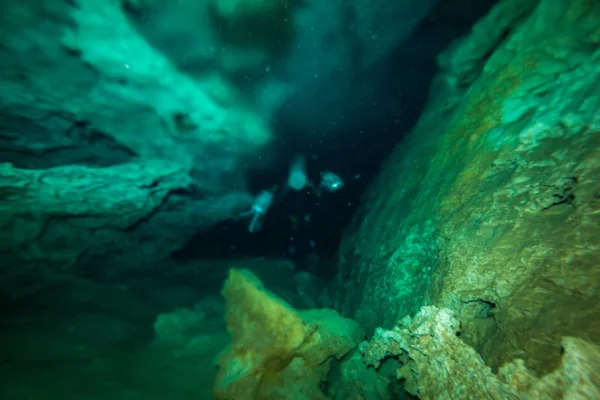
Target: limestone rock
[(277, 352), (490, 207), (439, 365), (92, 68), (55, 220), (118, 156)]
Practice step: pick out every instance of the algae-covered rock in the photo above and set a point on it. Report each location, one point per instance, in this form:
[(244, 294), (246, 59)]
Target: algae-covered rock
[(437, 364), (118, 157), (277, 352), (54, 221), (490, 206)]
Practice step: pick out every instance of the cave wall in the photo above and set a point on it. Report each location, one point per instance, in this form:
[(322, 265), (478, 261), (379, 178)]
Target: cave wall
[(491, 205), (110, 157), (128, 125)]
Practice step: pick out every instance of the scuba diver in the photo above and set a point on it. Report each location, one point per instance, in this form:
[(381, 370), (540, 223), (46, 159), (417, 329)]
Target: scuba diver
[(297, 181)]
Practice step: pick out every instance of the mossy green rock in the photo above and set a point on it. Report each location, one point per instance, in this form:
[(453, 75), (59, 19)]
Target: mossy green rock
[(491, 206)]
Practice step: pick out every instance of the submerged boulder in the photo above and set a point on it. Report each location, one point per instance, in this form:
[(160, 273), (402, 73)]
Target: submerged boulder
[(277, 352)]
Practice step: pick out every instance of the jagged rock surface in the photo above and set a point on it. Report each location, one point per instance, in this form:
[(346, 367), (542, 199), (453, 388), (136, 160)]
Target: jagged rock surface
[(277, 352), (86, 77), (490, 206), (117, 156), (58, 219), (439, 365)]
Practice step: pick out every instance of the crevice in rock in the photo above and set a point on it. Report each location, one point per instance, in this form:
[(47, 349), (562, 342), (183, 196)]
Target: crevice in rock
[(80, 144), (562, 194), (486, 308)]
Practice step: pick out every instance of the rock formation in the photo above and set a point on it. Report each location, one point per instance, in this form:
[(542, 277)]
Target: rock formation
[(436, 364), (277, 352), (128, 125), (490, 205), (115, 157)]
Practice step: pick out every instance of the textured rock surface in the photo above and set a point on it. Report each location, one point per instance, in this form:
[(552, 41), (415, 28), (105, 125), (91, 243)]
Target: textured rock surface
[(118, 156), (57, 219), (87, 67), (439, 365), (276, 351), (491, 206)]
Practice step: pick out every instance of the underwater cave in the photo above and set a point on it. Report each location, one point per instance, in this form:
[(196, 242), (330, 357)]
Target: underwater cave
[(299, 199)]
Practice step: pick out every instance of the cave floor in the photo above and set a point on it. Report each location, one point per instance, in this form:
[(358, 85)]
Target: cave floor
[(99, 342)]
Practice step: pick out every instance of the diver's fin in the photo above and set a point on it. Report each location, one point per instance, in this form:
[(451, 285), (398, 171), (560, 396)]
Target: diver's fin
[(255, 224)]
